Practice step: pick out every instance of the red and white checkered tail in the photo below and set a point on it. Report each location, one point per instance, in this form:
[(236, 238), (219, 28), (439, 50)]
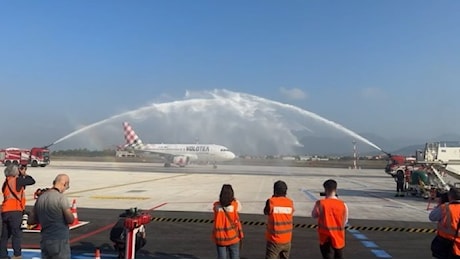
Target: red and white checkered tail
[(131, 138)]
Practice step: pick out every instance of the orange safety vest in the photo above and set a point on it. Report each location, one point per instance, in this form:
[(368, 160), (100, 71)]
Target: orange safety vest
[(226, 230), (10, 201), (279, 226), (331, 222), (448, 224)]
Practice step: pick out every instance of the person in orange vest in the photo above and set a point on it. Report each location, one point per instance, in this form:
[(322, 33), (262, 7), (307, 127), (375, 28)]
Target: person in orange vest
[(13, 208), (448, 216), (332, 215), (227, 232), (279, 210)]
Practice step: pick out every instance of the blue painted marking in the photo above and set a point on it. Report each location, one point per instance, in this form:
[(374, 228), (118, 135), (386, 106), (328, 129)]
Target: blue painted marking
[(367, 243), (309, 195), (380, 253), (36, 254), (91, 256), (28, 253), (360, 236)]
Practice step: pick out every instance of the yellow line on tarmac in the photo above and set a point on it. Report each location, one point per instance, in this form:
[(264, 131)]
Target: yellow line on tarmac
[(119, 185), (126, 184), (119, 198)]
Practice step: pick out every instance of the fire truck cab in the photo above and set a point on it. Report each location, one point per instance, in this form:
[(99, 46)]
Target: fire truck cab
[(399, 163)]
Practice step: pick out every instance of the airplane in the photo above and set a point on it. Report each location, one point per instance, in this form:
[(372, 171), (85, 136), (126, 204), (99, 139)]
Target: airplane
[(178, 154)]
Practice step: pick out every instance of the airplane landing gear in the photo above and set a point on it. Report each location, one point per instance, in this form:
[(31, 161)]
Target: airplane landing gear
[(167, 164), (214, 166)]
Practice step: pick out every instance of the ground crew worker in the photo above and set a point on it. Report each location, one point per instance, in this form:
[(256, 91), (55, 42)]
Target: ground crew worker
[(227, 231), (407, 176), (14, 204), (448, 217), (399, 178), (332, 215), (279, 209)]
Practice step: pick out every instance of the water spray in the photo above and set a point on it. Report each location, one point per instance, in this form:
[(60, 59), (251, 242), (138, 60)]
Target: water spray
[(240, 119)]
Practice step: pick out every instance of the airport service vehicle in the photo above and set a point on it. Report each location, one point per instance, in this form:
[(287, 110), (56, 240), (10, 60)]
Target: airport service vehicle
[(36, 156), (428, 168), (399, 163), (178, 154)]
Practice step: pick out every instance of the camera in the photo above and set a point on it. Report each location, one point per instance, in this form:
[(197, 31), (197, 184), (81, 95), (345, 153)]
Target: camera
[(25, 217), (39, 192)]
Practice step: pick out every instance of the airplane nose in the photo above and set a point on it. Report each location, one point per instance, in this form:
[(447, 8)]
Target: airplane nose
[(231, 155)]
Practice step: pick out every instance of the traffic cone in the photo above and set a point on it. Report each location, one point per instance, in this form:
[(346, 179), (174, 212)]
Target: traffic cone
[(73, 209), (97, 254)]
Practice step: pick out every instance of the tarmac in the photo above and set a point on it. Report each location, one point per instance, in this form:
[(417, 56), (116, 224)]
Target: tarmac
[(180, 200)]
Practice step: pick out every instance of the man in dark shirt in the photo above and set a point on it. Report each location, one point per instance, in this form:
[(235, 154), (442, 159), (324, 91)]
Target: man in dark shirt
[(399, 183)]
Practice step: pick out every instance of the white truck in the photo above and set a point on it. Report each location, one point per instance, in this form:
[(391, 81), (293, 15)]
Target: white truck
[(426, 172)]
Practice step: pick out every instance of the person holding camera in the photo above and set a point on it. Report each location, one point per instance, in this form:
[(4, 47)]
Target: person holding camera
[(446, 244), (280, 210), (332, 215), (13, 208), (118, 233), (52, 212)]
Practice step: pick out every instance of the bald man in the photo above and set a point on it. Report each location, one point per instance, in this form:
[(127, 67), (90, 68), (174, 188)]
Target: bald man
[(52, 212)]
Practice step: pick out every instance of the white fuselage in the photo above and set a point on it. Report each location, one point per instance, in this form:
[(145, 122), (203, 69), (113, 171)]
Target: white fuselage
[(195, 152)]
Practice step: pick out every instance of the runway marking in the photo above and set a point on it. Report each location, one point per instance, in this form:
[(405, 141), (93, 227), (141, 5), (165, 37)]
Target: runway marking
[(354, 182), (126, 184), (354, 230), (74, 193), (28, 253), (380, 253), (92, 233), (405, 205), (367, 243), (80, 224), (308, 194), (119, 198), (351, 229)]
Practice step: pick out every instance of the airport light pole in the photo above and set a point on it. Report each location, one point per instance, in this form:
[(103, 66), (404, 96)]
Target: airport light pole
[(355, 156)]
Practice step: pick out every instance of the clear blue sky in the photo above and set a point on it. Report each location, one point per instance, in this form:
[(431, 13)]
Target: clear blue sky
[(386, 67)]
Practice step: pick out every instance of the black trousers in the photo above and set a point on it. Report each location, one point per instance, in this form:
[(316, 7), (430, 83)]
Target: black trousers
[(11, 227), (328, 252), (399, 186)]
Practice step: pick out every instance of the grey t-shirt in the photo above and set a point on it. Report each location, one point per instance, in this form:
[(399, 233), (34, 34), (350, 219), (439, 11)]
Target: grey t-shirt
[(49, 209)]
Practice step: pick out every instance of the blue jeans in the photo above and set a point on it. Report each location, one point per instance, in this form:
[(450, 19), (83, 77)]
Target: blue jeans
[(231, 251)]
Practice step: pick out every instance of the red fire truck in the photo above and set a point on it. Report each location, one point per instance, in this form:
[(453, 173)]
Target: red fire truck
[(399, 163), (37, 156)]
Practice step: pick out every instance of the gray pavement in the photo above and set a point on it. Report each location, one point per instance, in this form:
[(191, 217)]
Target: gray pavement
[(382, 226)]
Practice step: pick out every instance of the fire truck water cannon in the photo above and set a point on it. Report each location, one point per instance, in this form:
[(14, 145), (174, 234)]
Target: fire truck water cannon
[(137, 219)]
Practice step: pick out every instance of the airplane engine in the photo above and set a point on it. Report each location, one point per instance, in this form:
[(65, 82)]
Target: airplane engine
[(181, 160)]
